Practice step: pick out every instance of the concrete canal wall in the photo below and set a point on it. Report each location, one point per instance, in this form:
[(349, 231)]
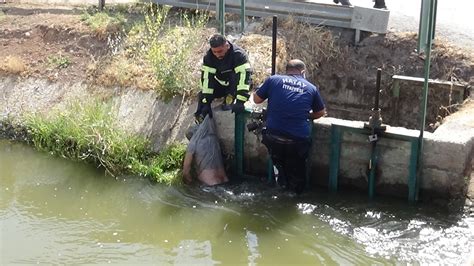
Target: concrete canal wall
[(447, 156), (447, 152)]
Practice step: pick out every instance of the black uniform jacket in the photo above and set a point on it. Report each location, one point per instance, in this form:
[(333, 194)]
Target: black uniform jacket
[(233, 71)]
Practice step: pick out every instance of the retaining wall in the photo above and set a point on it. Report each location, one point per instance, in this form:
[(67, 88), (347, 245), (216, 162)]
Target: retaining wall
[(445, 172), (447, 153)]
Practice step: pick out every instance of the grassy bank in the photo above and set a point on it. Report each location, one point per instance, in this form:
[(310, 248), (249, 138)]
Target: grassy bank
[(148, 43), (87, 132), (151, 47)]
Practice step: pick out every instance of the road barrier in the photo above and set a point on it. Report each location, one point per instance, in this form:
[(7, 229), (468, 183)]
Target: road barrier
[(357, 18)]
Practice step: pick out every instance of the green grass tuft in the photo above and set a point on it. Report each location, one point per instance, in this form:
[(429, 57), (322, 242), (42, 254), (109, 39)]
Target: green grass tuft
[(59, 61), (101, 22), (87, 132), (169, 49), (165, 167)]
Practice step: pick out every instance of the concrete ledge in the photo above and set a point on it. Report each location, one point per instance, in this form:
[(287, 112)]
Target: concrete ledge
[(447, 163)]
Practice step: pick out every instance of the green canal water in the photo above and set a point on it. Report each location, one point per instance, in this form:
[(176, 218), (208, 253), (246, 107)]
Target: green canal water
[(53, 211)]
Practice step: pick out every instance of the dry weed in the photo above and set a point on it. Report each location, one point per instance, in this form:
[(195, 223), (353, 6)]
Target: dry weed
[(259, 49), (123, 72), (13, 65), (314, 45)]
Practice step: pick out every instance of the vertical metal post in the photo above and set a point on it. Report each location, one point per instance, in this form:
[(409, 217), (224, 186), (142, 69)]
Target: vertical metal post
[(274, 44), (239, 134), (374, 124), (335, 157), (242, 16), (412, 180), (377, 89), (424, 103), (373, 167), (357, 36), (221, 16), (239, 131), (424, 26), (309, 158)]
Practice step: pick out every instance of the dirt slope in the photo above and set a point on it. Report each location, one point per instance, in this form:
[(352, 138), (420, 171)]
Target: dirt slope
[(53, 42)]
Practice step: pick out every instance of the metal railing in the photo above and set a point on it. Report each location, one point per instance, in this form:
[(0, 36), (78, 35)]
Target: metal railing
[(358, 18)]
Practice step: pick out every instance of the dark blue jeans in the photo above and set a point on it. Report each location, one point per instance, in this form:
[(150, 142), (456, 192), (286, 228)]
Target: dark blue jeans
[(289, 155)]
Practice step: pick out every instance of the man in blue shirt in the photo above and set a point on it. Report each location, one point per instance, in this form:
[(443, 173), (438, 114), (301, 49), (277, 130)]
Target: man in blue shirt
[(293, 103)]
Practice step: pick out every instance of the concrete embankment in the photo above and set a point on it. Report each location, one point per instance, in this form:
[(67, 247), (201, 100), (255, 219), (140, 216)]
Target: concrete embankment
[(137, 111), (447, 152), (447, 155)]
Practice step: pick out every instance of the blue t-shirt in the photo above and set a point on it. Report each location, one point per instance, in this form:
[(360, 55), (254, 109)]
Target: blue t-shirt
[(290, 99)]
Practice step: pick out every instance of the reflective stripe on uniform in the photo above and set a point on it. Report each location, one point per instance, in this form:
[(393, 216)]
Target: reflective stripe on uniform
[(243, 87), (205, 79), (242, 70), (223, 83), (241, 98), (209, 69)]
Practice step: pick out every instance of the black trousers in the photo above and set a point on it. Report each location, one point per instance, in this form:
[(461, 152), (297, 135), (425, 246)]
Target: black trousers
[(380, 4), (290, 156)]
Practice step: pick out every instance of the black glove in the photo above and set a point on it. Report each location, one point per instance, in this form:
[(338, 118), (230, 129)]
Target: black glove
[(238, 107), (206, 110)]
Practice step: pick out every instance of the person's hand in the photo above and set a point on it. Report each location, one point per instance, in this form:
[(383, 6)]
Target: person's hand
[(238, 107), (206, 110)]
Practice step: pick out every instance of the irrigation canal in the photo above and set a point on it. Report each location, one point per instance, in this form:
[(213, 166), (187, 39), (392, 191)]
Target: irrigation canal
[(53, 211)]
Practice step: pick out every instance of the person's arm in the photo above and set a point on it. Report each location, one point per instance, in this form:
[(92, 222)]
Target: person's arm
[(243, 74), (207, 79), (257, 99), (261, 94), (318, 105), (316, 115)]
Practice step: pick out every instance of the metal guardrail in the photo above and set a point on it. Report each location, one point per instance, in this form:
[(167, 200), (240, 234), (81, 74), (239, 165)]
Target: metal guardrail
[(358, 18)]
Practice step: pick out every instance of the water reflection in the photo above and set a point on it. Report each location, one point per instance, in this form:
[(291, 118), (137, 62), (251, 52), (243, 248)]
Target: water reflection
[(53, 211)]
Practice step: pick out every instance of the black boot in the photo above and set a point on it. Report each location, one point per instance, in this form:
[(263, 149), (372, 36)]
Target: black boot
[(345, 2), (380, 4)]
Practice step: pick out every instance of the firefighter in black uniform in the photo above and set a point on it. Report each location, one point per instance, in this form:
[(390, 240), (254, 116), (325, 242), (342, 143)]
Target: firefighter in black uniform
[(225, 73)]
